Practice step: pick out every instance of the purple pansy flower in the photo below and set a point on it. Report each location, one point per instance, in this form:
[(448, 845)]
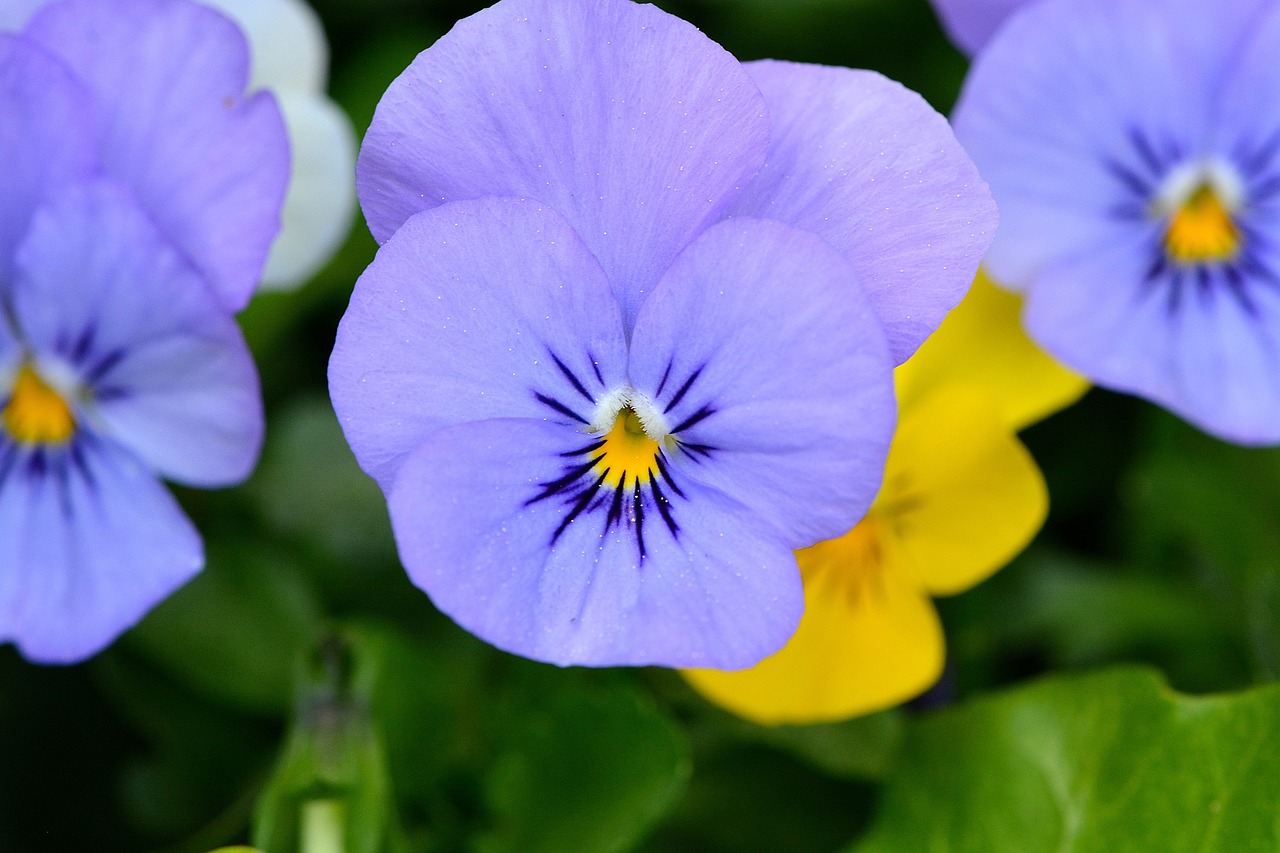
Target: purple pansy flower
[(120, 362), (629, 339), (1138, 173)]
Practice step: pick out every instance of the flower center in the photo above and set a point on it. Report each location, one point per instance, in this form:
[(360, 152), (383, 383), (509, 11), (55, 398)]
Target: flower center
[(36, 413), (628, 453), (1201, 229)]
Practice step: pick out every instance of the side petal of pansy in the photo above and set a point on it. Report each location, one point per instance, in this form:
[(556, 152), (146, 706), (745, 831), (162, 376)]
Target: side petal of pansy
[(961, 496), (870, 167), (48, 137), (761, 356), (163, 370), (982, 343), (480, 309), (628, 121), (92, 539), (208, 163)]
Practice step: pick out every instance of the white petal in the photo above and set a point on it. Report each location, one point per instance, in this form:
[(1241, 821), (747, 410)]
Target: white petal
[(287, 42), (322, 194)]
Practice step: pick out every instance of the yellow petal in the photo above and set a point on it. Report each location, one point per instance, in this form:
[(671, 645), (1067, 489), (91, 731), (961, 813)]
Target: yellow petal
[(961, 494), (869, 639), (982, 342)]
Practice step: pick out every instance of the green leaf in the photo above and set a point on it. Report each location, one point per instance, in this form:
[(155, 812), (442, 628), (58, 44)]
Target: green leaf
[(1110, 761), (590, 771)]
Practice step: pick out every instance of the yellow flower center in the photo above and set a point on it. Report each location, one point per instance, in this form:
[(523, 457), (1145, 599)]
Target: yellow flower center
[(1201, 230), (35, 413), (628, 454)]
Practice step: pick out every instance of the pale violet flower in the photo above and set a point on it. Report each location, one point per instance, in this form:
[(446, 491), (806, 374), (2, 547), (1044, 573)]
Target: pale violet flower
[(629, 340), (141, 190), (1134, 149)]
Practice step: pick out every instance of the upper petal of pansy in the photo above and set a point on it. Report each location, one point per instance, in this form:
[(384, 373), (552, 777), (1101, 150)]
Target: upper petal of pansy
[(536, 578), (773, 375), (473, 310), (165, 369), (628, 121), (209, 164), (86, 552), (870, 167), (869, 639), (982, 344), (970, 23), (47, 138)]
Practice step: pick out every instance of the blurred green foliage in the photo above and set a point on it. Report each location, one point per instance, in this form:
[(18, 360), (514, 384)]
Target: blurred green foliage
[(1161, 549)]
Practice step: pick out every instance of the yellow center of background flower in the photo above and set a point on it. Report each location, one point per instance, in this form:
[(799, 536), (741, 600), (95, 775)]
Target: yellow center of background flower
[(1201, 230), (35, 413), (628, 451)]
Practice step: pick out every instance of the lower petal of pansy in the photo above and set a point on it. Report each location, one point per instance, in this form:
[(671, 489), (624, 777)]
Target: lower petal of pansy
[(772, 376), (869, 639), (962, 495), (1200, 341), (871, 168), (92, 542), (495, 525), (982, 343), (478, 309)]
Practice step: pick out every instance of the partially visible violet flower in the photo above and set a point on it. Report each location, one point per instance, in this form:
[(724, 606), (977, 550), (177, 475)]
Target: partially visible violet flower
[(1138, 174), (125, 156), (629, 339)]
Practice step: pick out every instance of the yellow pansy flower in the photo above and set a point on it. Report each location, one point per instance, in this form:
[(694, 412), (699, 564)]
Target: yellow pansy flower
[(961, 496)]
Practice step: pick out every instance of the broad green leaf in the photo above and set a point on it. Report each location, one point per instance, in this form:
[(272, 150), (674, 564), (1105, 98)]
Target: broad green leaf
[(589, 771), (1108, 762), (862, 748)]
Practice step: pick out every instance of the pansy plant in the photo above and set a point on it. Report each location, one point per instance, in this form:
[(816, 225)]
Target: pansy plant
[(628, 342)]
